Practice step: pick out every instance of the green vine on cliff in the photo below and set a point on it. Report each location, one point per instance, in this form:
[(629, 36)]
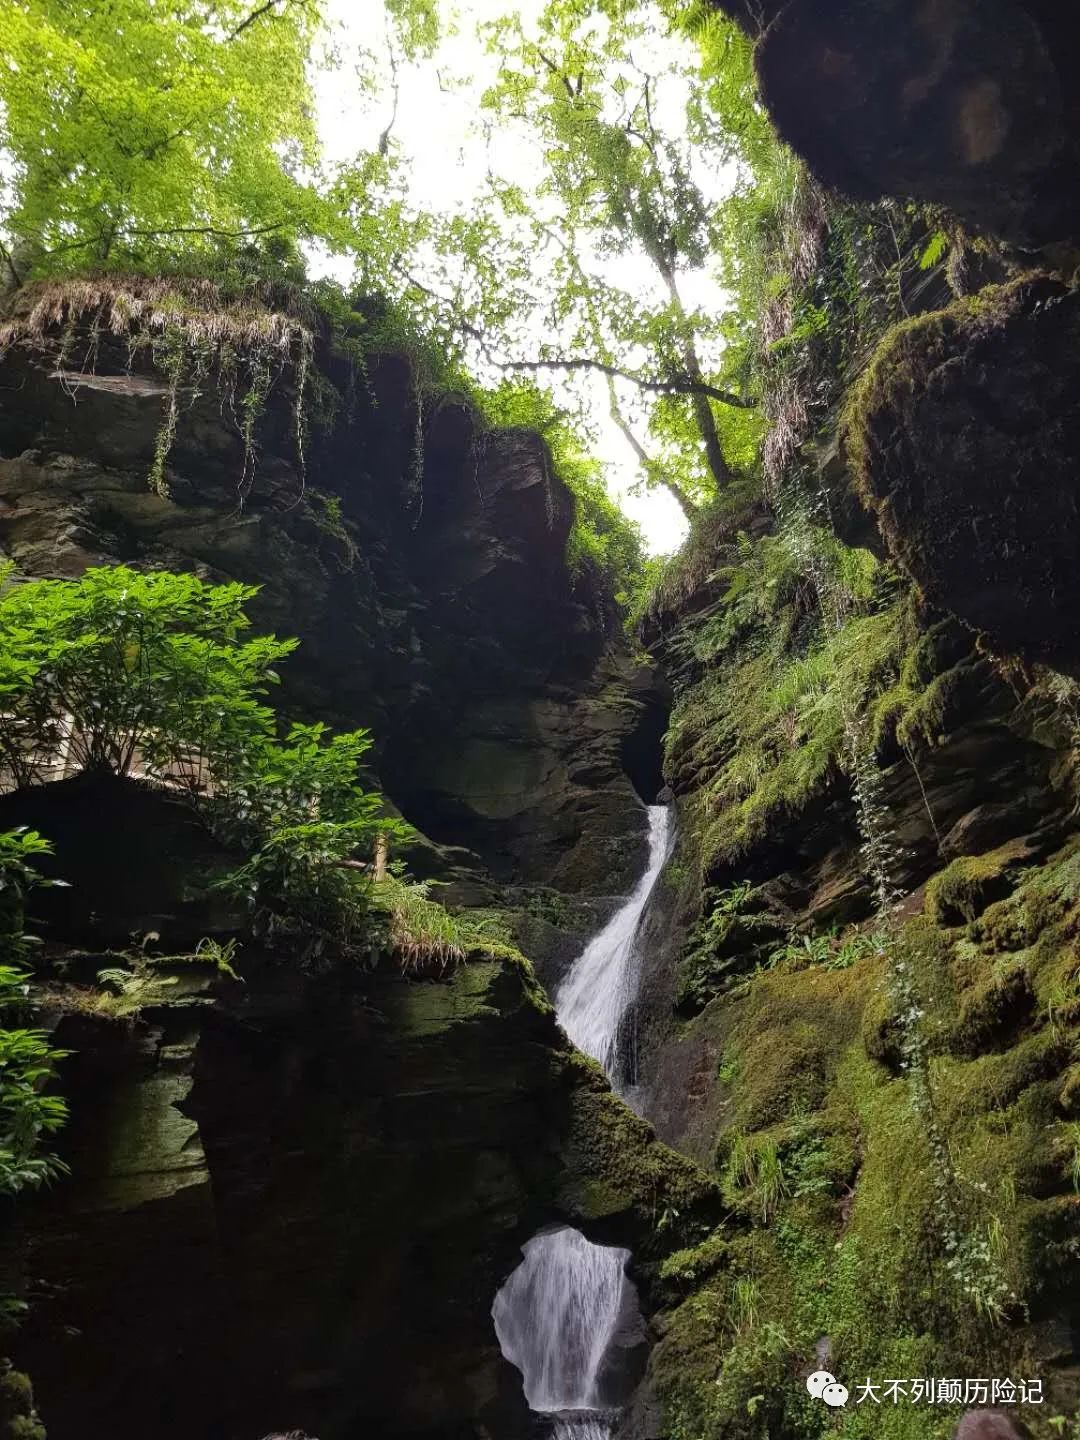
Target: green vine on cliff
[(190, 327)]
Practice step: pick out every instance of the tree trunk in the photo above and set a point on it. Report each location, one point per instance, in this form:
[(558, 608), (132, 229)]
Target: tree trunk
[(648, 465), (703, 415)]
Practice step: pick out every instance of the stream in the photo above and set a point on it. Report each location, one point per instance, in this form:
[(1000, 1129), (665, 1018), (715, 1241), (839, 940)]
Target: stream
[(559, 1315)]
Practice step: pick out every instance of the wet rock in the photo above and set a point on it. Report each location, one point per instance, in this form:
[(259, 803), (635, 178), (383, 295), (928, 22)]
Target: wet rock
[(965, 434), (429, 585)]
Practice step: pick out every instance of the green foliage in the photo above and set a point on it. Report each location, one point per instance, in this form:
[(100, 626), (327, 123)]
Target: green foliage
[(138, 133), (144, 979), (754, 1175), (121, 669), (27, 1115), (762, 727), (19, 849), (912, 1269), (423, 934), (827, 948), (296, 807), (130, 671)]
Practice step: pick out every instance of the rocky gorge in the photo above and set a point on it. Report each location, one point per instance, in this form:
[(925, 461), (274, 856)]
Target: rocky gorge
[(854, 1141)]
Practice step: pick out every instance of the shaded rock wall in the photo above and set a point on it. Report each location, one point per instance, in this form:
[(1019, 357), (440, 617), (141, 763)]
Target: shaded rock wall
[(294, 1198), (426, 576), (302, 1220), (292, 1203), (963, 103), (966, 438)]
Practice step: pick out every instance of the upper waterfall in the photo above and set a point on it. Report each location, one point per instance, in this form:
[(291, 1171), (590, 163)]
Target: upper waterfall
[(601, 985)]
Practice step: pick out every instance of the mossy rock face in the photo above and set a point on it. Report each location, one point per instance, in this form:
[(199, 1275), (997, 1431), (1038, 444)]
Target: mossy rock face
[(861, 1232), (18, 1418), (996, 1010), (968, 104), (964, 889), (965, 436)]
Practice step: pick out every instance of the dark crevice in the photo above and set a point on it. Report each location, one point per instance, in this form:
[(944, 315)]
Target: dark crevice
[(643, 747)]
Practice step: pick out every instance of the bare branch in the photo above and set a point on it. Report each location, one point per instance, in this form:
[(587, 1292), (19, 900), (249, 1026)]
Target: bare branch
[(266, 9), (384, 138), (174, 230), (672, 385), (561, 76), (648, 465), (676, 384)]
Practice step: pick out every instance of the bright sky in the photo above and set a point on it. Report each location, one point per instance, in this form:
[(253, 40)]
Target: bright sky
[(447, 158)]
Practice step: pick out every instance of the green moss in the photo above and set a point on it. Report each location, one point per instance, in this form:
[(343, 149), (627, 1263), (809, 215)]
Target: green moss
[(23, 1427), (16, 1394), (908, 1269), (484, 989), (697, 1263), (788, 1038), (614, 1163), (964, 889), (904, 359), (992, 1011)]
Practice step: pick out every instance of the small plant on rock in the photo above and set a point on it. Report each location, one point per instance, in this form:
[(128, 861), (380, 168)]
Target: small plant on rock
[(27, 1115)]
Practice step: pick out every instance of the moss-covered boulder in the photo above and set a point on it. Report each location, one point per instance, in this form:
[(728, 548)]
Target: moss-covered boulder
[(965, 436), (302, 1211), (18, 1418)]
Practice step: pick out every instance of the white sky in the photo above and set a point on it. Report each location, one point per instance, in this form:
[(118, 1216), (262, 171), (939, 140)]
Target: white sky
[(446, 160)]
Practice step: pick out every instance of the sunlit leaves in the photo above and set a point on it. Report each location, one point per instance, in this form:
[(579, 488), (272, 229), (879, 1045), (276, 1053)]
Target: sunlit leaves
[(140, 129)]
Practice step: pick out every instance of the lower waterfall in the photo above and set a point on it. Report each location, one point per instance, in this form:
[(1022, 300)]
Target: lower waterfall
[(559, 1316)]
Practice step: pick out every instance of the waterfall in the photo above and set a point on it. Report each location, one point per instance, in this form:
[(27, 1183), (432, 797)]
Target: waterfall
[(559, 1316), (601, 985)]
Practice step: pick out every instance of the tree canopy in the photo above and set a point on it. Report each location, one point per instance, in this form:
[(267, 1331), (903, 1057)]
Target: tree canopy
[(160, 135)]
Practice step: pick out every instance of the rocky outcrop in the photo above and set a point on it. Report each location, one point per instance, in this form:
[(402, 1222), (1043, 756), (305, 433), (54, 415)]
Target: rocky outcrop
[(421, 559), (965, 434), (296, 1206), (960, 103), (294, 1198)]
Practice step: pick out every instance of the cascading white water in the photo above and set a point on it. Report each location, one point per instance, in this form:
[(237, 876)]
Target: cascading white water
[(602, 984), (563, 1277), (559, 1314)]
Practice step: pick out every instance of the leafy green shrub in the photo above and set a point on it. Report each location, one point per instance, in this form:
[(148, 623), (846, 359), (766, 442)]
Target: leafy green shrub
[(297, 807), (826, 949), (120, 669)]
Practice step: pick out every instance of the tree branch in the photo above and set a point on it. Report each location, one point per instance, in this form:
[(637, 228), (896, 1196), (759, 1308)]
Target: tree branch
[(173, 230), (673, 385), (384, 138), (648, 465), (681, 384), (561, 76), (257, 14)]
